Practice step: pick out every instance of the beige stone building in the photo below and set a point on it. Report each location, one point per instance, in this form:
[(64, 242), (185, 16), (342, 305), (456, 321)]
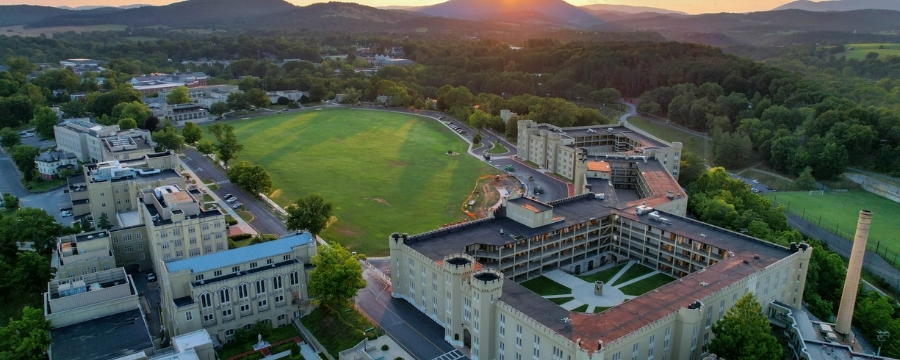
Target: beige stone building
[(557, 149), (92, 142), (145, 227), (96, 316), (179, 226), (466, 277), (82, 254), (234, 289)]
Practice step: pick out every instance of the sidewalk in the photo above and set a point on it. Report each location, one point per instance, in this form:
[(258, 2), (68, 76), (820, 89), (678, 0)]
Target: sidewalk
[(243, 225)]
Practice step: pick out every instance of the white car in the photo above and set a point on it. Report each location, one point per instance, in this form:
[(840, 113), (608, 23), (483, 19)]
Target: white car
[(231, 200), (236, 205)]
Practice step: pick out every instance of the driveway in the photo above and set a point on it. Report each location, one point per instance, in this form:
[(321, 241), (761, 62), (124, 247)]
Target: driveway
[(9, 177), (553, 189), (416, 333), (263, 221)]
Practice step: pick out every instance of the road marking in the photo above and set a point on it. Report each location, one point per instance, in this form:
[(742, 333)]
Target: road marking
[(222, 182), (453, 355)]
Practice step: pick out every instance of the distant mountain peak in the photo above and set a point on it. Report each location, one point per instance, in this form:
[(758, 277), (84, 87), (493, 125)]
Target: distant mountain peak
[(841, 5), (561, 11)]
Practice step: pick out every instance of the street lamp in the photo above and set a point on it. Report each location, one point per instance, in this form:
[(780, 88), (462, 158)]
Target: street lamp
[(882, 336)]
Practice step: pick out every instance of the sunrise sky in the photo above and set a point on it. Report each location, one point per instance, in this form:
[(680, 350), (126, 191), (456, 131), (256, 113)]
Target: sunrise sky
[(689, 6)]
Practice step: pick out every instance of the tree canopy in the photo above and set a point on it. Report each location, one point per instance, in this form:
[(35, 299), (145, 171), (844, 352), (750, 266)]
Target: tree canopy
[(227, 145), (743, 333), (253, 178), (310, 213), (178, 96), (27, 338), (191, 132), (336, 278)]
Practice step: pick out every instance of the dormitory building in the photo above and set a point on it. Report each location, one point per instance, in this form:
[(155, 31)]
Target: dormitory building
[(628, 207)]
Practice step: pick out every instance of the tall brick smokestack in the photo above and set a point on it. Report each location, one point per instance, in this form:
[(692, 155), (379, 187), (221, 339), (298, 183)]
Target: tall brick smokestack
[(851, 283)]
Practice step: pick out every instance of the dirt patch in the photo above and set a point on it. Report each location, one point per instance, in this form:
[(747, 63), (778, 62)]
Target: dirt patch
[(396, 163), (383, 201), (346, 231), (275, 194), (486, 194)]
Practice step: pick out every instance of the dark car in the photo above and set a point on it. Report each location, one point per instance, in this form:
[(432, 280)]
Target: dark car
[(151, 277), (538, 190)]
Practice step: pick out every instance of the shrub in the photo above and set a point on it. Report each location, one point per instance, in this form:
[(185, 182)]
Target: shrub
[(240, 237), (230, 220), (361, 257), (295, 349), (384, 347)]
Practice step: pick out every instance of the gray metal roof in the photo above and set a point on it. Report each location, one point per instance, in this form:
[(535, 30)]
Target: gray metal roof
[(228, 258)]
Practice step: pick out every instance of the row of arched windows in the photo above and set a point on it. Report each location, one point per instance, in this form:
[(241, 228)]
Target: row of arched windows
[(243, 289)]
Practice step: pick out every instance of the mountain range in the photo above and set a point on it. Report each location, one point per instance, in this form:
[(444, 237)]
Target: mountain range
[(841, 5), (530, 18)]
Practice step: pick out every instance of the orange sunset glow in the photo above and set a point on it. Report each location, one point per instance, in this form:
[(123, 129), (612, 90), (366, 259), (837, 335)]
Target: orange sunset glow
[(688, 6)]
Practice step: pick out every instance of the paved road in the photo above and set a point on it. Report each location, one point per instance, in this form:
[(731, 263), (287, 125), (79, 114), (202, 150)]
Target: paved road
[(9, 177), (263, 221), (420, 336), (553, 188), (872, 261)]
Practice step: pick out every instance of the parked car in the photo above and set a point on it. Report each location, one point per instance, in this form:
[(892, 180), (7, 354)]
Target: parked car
[(228, 196), (231, 200), (236, 205), (510, 168), (538, 190), (151, 277)]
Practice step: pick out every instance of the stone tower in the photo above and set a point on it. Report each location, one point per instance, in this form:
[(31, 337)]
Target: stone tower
[(487, 286), (851, 283), (458, 267)]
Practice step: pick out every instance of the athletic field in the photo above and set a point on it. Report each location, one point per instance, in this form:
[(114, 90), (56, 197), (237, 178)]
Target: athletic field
[(839, 212), (860, 51), (384, 172)]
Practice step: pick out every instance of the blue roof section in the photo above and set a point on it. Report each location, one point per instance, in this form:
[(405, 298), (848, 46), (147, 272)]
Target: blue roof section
[(227, 258)]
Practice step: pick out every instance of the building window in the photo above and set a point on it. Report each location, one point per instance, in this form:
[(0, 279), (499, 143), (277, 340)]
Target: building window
[(129, 248), (188, 316), (229, 332), (262, 303), (500, 351), (224, 296), (206, 237), (198, 277), (295, 278), (220, 246), (270, 261), (209, 317), (617, 356), (694, 337), (176, 231), (195, 252), (518, 336), (536, 352), (253, 265), (235, 269), (666, 339), (634, 351), (179, 254), (260, 286), (178, 242), (245, 308), (217, 273), (502, 325), (191, 230), (279, 299), (207, 248), (137, 235), (167, 256), (115, 239), (165, 244), (276, 282), (651, 346), (708, 316), (205, 226), (141, 247), (193, 240), (243, 292), (226, 313)]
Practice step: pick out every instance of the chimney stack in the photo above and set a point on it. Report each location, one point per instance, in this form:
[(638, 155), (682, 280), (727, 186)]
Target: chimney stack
[(851, 283)]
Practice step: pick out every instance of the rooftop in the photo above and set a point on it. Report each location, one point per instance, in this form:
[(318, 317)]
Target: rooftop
[(530, 204), (598, 166), (241, 255), (108, 337)]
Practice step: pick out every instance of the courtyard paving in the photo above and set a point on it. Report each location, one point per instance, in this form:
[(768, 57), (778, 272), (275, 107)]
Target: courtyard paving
[(583, 291)]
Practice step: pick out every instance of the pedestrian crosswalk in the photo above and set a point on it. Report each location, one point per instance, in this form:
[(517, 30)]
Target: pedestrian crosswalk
[(453, 355)]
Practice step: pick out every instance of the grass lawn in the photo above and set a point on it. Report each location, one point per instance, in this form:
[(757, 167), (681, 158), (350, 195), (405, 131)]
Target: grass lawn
[(604, 275), (839, 213), (860, 50), (498, 148), (692, 143), (633, 272), (213, 187), (647, 285), (384, 172), (244, 214), (543, 286), (582, 308), (336, 332), (207, 198), (278, 334), (562, 300), (600, 309), (41, 185), (776, 183)]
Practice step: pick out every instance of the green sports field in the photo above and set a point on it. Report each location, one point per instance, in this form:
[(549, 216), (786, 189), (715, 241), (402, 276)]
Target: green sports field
[(860, 51), (384, 172), (840, 212)]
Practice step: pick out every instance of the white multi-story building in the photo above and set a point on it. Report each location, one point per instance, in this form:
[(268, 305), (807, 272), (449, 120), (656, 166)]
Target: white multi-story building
[(92, 142), (50, 163), (235, 289)]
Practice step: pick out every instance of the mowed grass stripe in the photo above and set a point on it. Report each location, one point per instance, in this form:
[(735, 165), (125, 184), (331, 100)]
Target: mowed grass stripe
[(840, 212), (384, 172)]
